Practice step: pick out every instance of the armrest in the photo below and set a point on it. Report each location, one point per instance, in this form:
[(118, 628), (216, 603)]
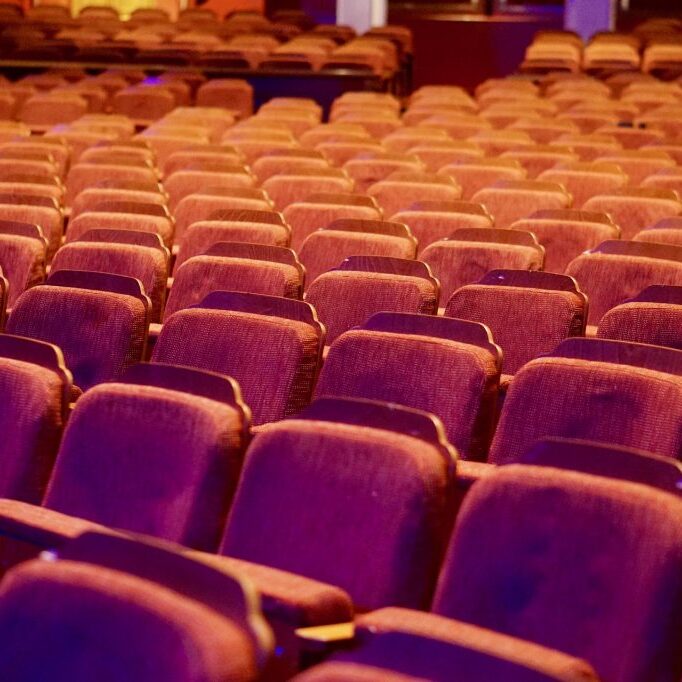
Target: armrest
[(470, 472), (323, 636), (287, 597), (43, 528)]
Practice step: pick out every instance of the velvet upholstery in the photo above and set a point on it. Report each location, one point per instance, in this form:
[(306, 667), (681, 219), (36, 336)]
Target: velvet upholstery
[(345, 299), (610, 279), (100, 333), (585, 181), (84, 175), (200, 275), (591, 400), (169, 473), (22, 260), (537, 523), (525, 322), (49, 219), (91, 220), (659, 324), (275, 360), (287, 189), (457, 263), (182, 183), (390, 489), (395, 194), (479, 173), (88, 622)]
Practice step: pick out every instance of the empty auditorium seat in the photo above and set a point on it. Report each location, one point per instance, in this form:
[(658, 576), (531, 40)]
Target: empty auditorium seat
[(363, 285), (529, 313), (476, 174), (367, 168), (329, 246), (469, 253), (272, 346), (23, 255), (634, 209), (22, 206), (286, 188), (236, 266), (596, 389), (128, 219), (566, 233), (617, 270), (664, 231), (98, 320), (509, 200), (452, 366), (585, 180)]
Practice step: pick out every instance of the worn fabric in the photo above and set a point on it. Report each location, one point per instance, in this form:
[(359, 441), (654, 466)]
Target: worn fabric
[(380, 501), (92, 220), (633, 214), (201, 275), (346, 299), (169, 473), (565, 240), (304, 218), (455, 381), (273, 359), (22, 260), (200, 236), (70, 617), (324, 250), (395, 195), (525, 322), (591, 400), (100, 333), (621, 611), (31, 422), (144, 263), (457, 263), (659, 324), (608, 280), (509, 205)]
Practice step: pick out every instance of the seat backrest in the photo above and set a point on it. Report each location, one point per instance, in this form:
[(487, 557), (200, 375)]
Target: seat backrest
[(286, 188), (622, 388), (99, 320), (529, 313), (602, 459), (37, 388), (371, 361), (237, 266), (175, 636), (23, 254), (653, 316), (584, 609), (470, 253), (105, 474), (615, 271), (352, 460), (222, 333)]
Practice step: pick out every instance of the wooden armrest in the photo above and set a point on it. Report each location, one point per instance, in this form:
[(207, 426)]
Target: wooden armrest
[(326, 634)]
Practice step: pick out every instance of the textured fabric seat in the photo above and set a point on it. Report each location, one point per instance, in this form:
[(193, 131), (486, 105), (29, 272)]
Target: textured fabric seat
[(400, 190), (566, 233), (540, 158), (508, 201), (666, 178), (385, 470), (367, 168), (601, 459), (529, 313), (254, 227), (600, 520), (203, 205), (84, 175), (286, 188), (617, 270), (90, 199), (35, 210), (288, 161), (196, 158), (437, 154), (236, 266), (473, 175), (664, 231), (328, 247), (182, 183), (129, 257), (143, 104), (230, 93), (170, 473), (653, 316), (430, 221), (639, 164), (271, 346), (468, 254), (161, 225), (447, 367), (363, 285), (23, 254), (320, 210), (98, 320), (36, 386), (623, 389), (44, 110), (588, 146), (339, 151), (161, 631), (586, 179), (634, 209)]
